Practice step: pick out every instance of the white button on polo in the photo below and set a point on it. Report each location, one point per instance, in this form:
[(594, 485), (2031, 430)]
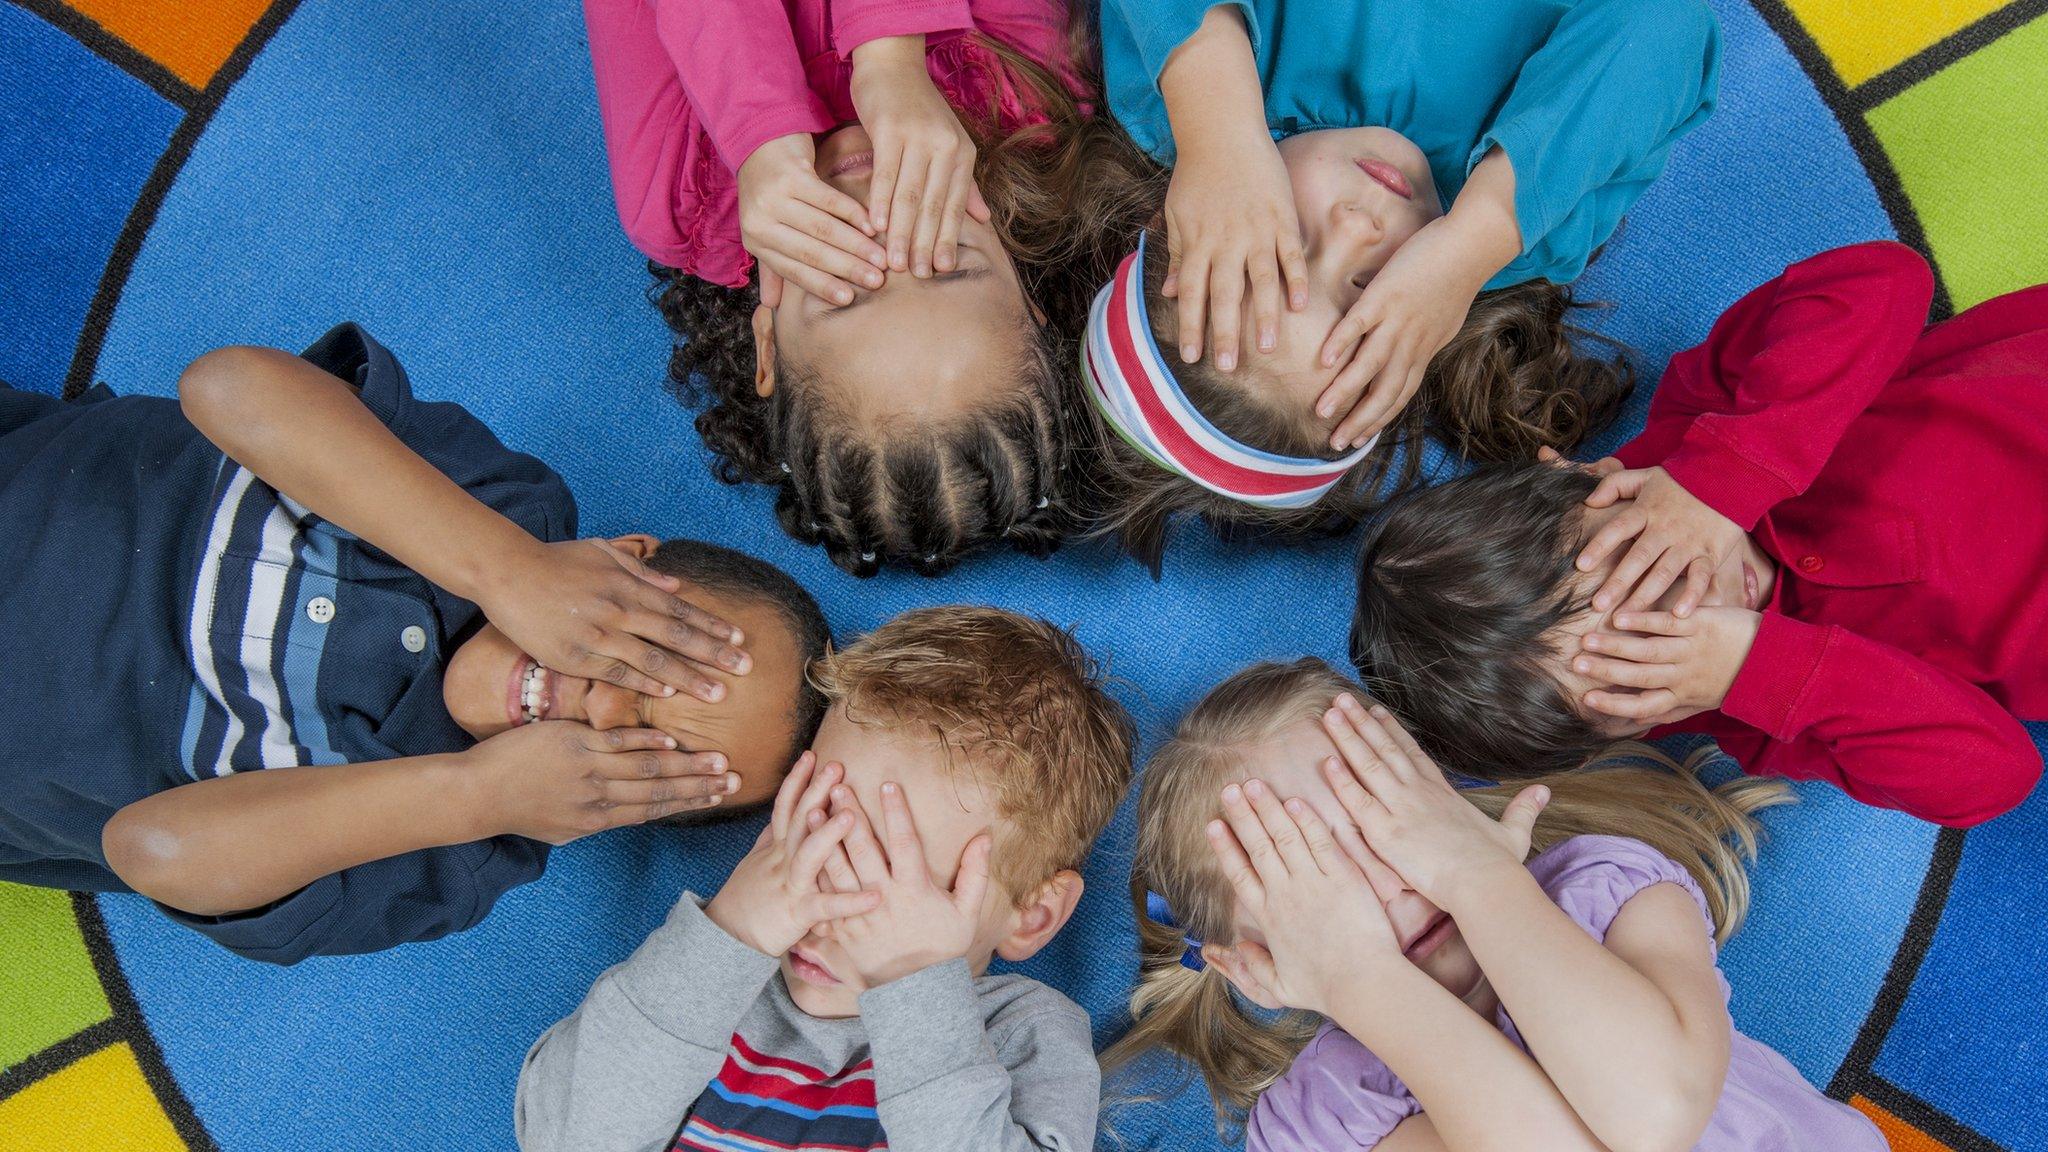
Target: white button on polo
[(414, 638), (320, 609)]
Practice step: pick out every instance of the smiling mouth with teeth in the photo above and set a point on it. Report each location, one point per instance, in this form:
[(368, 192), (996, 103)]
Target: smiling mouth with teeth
[(533, 694)]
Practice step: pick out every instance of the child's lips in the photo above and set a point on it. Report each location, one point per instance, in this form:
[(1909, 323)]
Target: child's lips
[(1432, 938), (515, 691), (810, 971), (858, 162), (1386, 176)]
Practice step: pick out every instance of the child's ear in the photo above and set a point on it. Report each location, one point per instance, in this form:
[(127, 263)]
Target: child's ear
[(638, 545), (1039, 921), (764, 351)]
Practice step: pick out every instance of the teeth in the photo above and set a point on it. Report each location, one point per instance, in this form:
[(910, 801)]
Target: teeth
[(534, 692)]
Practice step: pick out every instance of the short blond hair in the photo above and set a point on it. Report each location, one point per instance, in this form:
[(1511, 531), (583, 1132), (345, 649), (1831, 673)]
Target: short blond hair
[(1025, 706)]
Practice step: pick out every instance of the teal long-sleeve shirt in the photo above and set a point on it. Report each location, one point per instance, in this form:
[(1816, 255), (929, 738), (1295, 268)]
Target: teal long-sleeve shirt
[(1586, 97)]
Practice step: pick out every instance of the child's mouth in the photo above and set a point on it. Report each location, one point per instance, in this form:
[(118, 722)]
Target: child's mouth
[(810, 971), (1386, 176), (1431, 939), (858, 162), (530, 695)]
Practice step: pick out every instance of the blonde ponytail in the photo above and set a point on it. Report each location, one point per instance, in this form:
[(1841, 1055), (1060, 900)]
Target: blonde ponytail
[(1631, 790)]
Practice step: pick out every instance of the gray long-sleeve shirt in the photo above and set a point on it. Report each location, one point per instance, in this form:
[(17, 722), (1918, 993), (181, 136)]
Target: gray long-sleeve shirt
[(695, 1037)]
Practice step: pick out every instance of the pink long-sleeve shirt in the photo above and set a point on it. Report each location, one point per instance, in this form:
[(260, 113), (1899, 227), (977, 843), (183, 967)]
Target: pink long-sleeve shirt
[(689, 88)]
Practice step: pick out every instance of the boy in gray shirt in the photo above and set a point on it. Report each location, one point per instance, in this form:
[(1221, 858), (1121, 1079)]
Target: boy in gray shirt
[(833, 994)]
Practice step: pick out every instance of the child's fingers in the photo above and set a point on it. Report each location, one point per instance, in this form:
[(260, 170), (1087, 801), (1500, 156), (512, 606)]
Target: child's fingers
[(1638, 706), (882, 183), (946, 256), (638, 568), (1251, 834), (786, 796), (851, 255), (692, 790), (1280, 827), (1258, 964), (771, 288), (1294, 268), (813, 799), (970, 883), (1668, 570), (1699, 579), (1641, 556), (899, 830), (813, 281), (1322, 846), (1418, 760), (821, 195), (1519, 817), (1615, 483), (1375, 725), (808, 862), (1625, 673), (1226, 303), (1266, 305), (976, 206), (1358, 320), (1236, 865), (839, 872), (863, 851), (1192, 303), (904, 205), (1655, 623), (1357, 379), (1641, 649), (824, 906), (670, 621), (1623, 528), (1358, 803), (1385, 395), (1366, 767), (938, 207)]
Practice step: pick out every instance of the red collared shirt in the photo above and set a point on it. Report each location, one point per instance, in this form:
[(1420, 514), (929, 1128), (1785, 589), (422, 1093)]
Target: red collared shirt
[(1898, 474)]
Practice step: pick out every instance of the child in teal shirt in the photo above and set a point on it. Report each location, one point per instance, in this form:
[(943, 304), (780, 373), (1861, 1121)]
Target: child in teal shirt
[(1416, 179)]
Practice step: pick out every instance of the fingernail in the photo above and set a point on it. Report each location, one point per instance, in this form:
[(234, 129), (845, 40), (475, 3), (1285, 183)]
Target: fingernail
[(714, 692), (872, 279), (1592, 643), (1296, 807), (1232, 794), (732, 782), (843, 296), (1349, 703), (890, 788), (669, 740), (1266, 341), (1188, 353), (1216, 828), (1380, 712), (1254, 788), (1226, 360), (924, 270), (668, 689), (736, 637), (1582, 666), (716, 761), (735, 661), (1337, 442)]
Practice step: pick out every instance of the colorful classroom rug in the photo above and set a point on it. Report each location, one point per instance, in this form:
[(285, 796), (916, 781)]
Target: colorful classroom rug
[(179, 175)]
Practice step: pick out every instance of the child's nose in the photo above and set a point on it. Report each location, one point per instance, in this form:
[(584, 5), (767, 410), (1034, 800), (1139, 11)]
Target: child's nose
[(608, 706)]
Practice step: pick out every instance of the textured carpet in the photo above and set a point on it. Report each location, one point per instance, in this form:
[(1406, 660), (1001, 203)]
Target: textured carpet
[(174, 176)]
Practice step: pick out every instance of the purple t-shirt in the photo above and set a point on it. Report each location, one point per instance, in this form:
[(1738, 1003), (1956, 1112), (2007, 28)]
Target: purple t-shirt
[(1338, 1095)]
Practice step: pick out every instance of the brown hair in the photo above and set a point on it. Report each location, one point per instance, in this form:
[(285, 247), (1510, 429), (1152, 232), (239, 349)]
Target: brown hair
[(924, 494), (1517, 377), (1462, 591), (1024, 705), (1637, 792)]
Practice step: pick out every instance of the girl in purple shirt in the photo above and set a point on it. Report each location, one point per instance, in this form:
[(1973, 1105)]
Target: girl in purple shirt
[(1433, 989), (863, 217)]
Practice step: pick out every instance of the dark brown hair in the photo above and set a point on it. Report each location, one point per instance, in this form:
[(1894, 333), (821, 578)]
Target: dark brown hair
[(1462, 589), (1024, 704), (1515, 378), (924, 495)]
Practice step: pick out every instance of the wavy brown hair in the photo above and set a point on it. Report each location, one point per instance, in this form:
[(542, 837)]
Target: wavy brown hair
[(1024, 705), (1519, 376), (924, 495)]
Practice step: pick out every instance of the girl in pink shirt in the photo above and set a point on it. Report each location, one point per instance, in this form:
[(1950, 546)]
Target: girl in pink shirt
[(858, 208)]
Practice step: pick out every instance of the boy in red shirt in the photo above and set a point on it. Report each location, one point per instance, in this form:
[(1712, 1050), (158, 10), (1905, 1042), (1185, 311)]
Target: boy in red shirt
[(1826, 550)]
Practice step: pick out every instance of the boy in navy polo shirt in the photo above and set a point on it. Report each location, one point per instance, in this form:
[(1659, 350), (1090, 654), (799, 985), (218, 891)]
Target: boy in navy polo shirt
[(270, 657)]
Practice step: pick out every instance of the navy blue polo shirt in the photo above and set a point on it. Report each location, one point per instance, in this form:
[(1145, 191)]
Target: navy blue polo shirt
[(167, 617)]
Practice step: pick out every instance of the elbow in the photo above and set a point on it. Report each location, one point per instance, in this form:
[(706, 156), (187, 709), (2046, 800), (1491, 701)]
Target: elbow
[(213, 390), (1668, 1119), (153, 857)]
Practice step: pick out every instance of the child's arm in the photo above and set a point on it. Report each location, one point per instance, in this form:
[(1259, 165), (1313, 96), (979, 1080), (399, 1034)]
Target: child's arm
[(580, 607), (1888, 727), (1230, 219), (1330, 948), (1638, 1049), (235, 843), (623, 1071)]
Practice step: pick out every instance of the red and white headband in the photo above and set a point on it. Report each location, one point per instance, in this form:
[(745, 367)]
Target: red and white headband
[(1133, 386)]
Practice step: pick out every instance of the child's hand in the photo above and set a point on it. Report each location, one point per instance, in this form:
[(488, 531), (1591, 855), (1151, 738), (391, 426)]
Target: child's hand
[(1412, 308), (1675, 534), (558, 780), (915, 923), (1411, 815), (1321, 919), (585, 608), (774, 896), (802, 229), (924, 158), (1230, 220), (1679, 667)]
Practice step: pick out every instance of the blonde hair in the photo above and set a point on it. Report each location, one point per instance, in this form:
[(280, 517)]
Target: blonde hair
[(1632, 790), (1025, 707)]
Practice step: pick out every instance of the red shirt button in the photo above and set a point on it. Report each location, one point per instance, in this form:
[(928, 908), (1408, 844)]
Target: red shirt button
[(1811, 563)]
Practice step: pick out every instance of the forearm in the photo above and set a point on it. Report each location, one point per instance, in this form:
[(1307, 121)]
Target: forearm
[(239, 842), (1608, 1038), (1483, 218), (1210, 85), (623, 1070), (1480, 1092), (308, 435)]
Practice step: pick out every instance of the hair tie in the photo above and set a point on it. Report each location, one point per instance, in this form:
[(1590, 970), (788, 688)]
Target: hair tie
[(931, 557), (867, 557), (1043, 501), (1133, 386), (784, 465), (1156, 910)]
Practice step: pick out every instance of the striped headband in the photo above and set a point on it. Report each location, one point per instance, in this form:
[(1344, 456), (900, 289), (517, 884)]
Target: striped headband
[(1133, 386)]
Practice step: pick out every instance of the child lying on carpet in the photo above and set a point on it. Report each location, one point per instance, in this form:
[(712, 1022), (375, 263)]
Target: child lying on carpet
[(310, 572), (1538, 123), (1301, 849), (905, 175), (1837, 538), (834, 993)]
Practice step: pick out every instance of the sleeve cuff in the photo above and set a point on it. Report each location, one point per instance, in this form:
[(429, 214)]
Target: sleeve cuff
[(1775, 676), (282, 933), (1710, 468), (737, 142), (924, 1026), (913, 18), (694, 979)]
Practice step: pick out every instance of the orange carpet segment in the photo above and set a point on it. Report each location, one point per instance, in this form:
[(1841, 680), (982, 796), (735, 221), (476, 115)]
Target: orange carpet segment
[(1903, 1137), (192, 40)]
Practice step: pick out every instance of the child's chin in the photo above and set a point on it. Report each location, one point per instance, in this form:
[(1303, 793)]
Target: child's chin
[(826, 1003)]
